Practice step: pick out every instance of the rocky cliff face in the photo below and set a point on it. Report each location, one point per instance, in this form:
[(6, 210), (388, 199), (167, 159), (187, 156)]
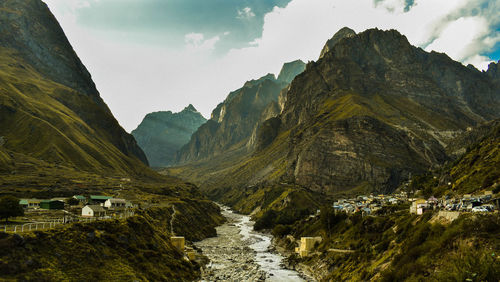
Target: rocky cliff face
[(49, 106), (233, 123), (374, 109), (341, 34), (291, 70), (371, 112), (161, 134)]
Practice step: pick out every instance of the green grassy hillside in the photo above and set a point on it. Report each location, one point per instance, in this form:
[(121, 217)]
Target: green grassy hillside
[(397, 246), (36, 121), (137, 248)]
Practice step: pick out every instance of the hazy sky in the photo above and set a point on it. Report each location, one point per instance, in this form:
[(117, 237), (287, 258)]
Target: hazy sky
[(153, 55)]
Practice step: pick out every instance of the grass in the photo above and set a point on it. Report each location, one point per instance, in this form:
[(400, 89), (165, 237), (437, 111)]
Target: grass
[(137, 248), (54, 123), (402, 247)]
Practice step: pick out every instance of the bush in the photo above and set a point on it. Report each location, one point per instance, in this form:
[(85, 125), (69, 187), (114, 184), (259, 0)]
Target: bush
[(281, 230), (266, 221), (329, 218)]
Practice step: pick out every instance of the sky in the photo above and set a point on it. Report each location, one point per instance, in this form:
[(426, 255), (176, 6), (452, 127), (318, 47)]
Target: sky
[(160, 55)]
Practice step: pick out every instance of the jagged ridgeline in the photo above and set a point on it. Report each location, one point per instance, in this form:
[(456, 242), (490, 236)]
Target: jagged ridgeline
[(369, 113), (232, 128), (161, 134), (50, 109)]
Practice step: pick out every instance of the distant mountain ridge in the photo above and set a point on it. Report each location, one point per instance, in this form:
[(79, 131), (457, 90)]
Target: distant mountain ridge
[(161, 134), (234, 122), (50, 109)]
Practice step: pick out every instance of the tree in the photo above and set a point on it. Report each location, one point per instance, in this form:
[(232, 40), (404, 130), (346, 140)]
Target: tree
[(10, 207), (72, 201)]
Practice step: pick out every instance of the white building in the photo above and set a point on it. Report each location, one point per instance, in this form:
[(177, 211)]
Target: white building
[(115, 203), (93, 211)]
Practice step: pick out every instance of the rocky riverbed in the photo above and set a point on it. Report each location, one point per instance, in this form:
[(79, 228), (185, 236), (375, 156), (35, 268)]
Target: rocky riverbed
[(240, 254)]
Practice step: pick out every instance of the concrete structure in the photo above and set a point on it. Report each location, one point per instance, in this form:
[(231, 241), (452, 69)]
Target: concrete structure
[(449, 215), (178, 242), (307, 245), (190, 253), (115, 203), (93, 211), (418, 206)]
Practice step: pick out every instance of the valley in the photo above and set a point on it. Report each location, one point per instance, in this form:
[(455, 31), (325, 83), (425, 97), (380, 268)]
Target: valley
[(376, 161)]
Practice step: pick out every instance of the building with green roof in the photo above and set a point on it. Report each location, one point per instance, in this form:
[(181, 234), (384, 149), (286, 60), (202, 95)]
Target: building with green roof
[(98, 199)]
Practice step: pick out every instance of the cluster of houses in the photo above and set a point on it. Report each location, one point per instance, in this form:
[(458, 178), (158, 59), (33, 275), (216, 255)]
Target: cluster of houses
[(93, 206), (467, 203), (99, 206), (369, 204)]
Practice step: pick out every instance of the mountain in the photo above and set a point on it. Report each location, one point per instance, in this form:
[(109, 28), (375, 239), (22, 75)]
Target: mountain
[(370, 113), (233, 125), (290, 70), (161, 134), (375, 109), (50, 109), (477, 166)]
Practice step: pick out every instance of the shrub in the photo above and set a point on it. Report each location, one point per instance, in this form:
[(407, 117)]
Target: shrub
[(281, 230)]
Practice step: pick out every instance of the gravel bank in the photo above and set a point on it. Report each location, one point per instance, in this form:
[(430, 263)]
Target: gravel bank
[(240, 254)]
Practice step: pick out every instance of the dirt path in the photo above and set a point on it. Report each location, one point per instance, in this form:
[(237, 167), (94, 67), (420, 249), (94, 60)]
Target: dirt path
[(172, 220)]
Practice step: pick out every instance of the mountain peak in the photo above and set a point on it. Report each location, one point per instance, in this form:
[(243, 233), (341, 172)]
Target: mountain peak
[(290, 70), (344, 32), (493, 70), (191, 108)]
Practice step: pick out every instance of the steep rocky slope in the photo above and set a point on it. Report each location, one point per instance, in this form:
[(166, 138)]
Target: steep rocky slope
[(233, 125), (476, 166), (369, 114), (161, 134), (396, 106), (49, 107)]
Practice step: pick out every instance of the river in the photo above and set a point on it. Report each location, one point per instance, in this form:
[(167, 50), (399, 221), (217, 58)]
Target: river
[(239, 253)]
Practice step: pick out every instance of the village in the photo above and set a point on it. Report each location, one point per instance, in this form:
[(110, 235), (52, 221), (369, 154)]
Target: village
[(447, 207), (369, 205)]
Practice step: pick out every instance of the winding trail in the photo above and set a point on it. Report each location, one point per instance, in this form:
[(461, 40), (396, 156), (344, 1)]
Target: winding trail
[(172, 220)]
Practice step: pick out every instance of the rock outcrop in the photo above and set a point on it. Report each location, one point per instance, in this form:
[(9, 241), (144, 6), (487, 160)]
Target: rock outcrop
[(291, 70), (233, 124), (161, 134), (345, 32)]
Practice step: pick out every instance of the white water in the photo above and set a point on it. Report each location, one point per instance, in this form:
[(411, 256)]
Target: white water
[(260, 243), (239, 253)]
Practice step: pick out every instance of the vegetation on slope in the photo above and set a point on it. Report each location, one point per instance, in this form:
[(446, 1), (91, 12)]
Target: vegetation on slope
[(475, 170), (397, 246), (36, 121), (137, 248)]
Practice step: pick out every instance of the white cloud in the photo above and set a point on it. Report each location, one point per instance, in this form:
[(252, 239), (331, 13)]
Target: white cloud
[(197, 42), (135, 79), (301, 28), (245, 13)]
